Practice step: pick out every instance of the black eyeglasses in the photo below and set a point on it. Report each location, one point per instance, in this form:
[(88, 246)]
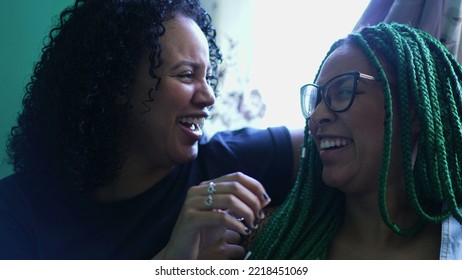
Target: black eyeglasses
[(338, 93)]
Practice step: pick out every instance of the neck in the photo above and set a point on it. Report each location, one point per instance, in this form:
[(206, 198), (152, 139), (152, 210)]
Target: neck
[(363, 218), (364, 235)]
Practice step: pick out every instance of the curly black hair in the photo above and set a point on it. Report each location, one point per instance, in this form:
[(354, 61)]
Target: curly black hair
[(68, 132)]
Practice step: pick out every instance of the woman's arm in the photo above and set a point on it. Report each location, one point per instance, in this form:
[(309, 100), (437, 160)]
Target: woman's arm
[(296, 135)]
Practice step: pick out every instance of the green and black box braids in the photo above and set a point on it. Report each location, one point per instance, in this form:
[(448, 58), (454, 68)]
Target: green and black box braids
[(428, 77)]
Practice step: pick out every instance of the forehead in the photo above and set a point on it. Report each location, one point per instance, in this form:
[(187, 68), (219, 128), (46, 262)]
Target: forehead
[(183, 39), (346, 58)]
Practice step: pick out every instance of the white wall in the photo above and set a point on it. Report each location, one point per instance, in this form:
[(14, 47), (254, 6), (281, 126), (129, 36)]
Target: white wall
[(279, 49)]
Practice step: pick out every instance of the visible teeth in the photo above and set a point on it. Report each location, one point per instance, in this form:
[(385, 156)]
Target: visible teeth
[(194, 121), (326, 143)]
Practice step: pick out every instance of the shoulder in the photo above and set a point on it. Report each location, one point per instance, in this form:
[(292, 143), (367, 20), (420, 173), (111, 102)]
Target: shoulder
[(247, 145), (9, 181), (17, 233), (10, 186), (16, 196), (264, 154), (249, 131), (20, 195), (249, 137)]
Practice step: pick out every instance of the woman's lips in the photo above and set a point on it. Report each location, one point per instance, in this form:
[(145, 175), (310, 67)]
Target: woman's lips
[(331, 147), (192, 127), (332, 142)]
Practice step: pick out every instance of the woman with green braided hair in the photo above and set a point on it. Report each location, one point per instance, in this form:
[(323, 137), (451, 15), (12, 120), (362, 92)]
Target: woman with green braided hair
[(381, 175)]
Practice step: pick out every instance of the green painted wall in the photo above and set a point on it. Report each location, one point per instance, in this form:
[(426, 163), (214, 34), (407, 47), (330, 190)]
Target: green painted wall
[(23, 27)]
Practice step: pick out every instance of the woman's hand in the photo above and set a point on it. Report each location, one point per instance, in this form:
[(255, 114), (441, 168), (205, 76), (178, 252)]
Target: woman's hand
[(214, 215), (225, 248)]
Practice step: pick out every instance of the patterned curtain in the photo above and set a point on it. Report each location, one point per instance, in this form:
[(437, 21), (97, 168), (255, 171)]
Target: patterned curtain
[(441, 18), (239, 103)]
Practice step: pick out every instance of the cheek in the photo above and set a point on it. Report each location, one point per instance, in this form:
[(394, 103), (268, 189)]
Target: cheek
[(369, 131), (172, 96), (311, 127)]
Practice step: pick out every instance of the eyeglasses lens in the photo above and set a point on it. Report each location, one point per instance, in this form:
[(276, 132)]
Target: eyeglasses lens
[(338, 94)]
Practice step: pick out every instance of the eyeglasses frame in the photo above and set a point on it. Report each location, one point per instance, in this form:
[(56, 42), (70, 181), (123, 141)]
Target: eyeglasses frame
[(356, 74)]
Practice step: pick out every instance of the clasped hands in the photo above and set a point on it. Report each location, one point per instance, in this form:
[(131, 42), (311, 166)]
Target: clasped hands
[(214, 217)]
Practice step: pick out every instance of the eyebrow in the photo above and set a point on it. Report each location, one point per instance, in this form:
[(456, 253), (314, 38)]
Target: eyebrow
[(192, 64)]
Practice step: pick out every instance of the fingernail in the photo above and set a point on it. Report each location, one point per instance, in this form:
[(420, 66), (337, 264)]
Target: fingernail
[(266, 197), (255, 223), (261, 214), (247, 231)]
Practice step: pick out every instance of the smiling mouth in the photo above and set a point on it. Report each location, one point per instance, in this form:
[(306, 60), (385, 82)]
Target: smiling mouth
[(194, 124), (332, 143)]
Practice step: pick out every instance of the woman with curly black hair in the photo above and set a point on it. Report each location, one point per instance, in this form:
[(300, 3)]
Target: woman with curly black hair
[(108, 153)]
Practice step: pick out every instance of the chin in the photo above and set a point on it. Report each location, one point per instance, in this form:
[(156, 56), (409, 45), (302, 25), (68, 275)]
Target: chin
[(333, 185), (332, 180), (188, 155)]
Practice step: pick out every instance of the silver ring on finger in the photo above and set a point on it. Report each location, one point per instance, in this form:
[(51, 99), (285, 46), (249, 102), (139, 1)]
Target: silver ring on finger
[(209, 200), (211, 188), (210, 191)]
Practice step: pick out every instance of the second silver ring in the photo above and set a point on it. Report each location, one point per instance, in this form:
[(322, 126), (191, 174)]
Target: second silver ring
[(211, 188), (210, 191)]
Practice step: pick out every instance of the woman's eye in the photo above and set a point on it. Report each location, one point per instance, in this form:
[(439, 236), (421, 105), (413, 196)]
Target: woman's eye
[(344, 93), (186, 75)]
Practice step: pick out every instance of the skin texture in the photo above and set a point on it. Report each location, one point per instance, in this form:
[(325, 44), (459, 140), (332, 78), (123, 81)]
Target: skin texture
[(163, 141), (109, 117), (184, 91), (354, 170), (360, 158), (344, 204)]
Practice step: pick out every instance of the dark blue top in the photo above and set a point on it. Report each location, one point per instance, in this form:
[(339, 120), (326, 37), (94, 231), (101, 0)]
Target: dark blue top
[(35, 224)]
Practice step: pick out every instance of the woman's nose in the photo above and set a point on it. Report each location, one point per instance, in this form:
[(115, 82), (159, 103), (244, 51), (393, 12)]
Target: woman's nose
[(204, 95), (322, 115)]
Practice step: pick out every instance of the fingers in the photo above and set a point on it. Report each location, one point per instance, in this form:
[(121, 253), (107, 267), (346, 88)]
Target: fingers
[(225, 248), (237, 207), (215, 218), (217, 204), (250, 184), (241, 195), (223, 251), (232, 237)]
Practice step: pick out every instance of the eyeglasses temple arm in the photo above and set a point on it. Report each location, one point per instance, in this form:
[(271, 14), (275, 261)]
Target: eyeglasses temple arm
[(365, 76)]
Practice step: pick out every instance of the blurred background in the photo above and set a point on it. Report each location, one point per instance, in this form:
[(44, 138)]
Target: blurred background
[(269, 49)]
